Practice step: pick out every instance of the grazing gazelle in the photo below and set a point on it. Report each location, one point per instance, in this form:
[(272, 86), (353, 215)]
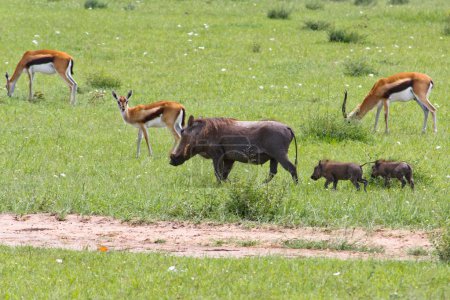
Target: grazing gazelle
[(159, 114), (47, 62), (398, 87)]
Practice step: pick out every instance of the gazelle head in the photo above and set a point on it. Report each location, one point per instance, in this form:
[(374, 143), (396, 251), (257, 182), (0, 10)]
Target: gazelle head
[(354, 114), (9, 85), (122, 101)]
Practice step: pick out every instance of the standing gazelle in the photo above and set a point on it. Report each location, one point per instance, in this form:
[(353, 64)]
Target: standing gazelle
[(47, 62), (398, 87), (158, 114)]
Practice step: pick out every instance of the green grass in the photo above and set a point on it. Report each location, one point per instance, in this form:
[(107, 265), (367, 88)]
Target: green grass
[(164, 50), (317, 25), (358, 67), (34, 273), (343, 36), (417, 251), (338, 245)]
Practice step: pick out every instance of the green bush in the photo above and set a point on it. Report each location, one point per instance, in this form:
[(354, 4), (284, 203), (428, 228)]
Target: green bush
[(417, 251), (447, 26), (441, 242), (364, 2), (103, 81), (342, 36), (333, 128), (279, 13), (317, 25), (256, 48), (254, 202), (358, 68), (314, 5), (93, 4), (398, 2)]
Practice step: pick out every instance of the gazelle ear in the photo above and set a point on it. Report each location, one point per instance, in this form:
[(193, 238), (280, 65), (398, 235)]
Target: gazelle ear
[(191, 120), (130, 93), (7, 76), (115, 95)]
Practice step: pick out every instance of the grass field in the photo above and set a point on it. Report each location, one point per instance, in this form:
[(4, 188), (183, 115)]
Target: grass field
[(30, 273), (80, 159), (224, 58)]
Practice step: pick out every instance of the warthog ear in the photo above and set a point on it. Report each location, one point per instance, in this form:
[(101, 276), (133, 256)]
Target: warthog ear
[(114, 95), (191, 120), (130, 93)]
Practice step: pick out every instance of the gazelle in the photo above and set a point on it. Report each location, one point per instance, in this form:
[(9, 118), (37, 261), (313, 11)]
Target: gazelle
[(159, 114), (47, 62), (398, 87)]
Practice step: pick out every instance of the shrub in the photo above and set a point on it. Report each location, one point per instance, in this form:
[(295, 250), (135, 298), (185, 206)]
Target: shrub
[(256, 48), (398, 2), (279, 13), (441, 242), (358, 68), (317, 25), (129, 6), (93, 4), (253, 202), (342, 36), (314, 5), (103, 81), (332, 128), (365, 2), (417, 251), (447, 26)]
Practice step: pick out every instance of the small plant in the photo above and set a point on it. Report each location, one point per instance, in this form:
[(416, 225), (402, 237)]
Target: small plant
[(250, 243), (93, 4), (97, 96), (441, 242), (314, 5), (417, 251), (250, 201), (358, 68), (256, 48), (339, 245), (129, 6), (342, 36), (279, 13), (317, 25), (103, 81), (365, 2), (160, 241), (330, 128), (398, 2), (38, 96), (447, 26)]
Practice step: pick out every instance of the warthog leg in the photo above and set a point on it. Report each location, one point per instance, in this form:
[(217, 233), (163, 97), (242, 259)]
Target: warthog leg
[(273, 170)]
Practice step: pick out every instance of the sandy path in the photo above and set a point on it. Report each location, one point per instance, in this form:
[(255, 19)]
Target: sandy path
[(199, 240)]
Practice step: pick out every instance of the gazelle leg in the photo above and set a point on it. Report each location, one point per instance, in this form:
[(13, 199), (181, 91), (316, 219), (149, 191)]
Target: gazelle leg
[(67, 77), (139, 140), (425, 103), (30, 77), (144, 131), (425, 118), (386, 115), (176, 132), (73, 87), (377, 116)]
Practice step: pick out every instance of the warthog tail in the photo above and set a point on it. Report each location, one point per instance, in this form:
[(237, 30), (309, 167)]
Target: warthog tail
[(295, 140)]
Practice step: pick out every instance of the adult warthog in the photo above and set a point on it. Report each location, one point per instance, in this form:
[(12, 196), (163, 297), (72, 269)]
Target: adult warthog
[(228, 140)]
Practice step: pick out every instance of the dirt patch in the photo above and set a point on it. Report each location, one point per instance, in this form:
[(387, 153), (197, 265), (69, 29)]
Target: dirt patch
[(98, 233)]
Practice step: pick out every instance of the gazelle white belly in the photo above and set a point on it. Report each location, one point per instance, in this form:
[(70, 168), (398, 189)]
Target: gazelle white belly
[(48, 68), (405, 95), (156, 122)]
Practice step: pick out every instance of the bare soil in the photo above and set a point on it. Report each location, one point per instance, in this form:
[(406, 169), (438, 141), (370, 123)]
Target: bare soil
[(97, 233)]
